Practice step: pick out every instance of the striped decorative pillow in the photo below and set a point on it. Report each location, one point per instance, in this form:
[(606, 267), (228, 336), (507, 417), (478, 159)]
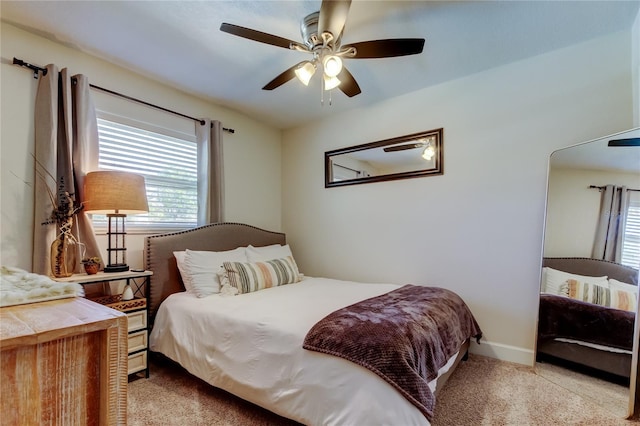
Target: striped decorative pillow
[(598, 295), (589, 293), (625, 300), (555, 281), (249, 277)]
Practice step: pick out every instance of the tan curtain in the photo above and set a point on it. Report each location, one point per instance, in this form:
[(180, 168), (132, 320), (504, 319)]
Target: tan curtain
[(85, 148), (611, 223), (66, 147), (46, 158), (210, 172)]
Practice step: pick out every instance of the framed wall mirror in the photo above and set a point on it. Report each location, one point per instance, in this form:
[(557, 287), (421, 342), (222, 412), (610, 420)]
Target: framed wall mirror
[(587, 327), (415, 155)]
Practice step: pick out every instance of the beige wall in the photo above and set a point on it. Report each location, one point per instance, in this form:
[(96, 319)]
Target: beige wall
[(574, 208), (251, 155), (478, 228)]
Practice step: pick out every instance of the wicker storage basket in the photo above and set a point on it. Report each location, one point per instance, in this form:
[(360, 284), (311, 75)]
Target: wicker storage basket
[(116, 302)]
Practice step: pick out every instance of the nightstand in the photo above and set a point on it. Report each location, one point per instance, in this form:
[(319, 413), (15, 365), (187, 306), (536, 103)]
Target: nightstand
[(136, 310)]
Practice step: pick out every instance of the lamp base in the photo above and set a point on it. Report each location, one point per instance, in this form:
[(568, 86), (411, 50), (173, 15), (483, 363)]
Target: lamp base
[(116, 268)]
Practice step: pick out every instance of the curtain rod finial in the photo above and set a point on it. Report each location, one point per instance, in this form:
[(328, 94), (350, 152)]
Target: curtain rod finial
[(32, 67)]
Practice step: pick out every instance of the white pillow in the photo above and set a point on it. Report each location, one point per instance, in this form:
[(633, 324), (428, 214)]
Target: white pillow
[(184, 272), (203, 266), (619, 285), (555, 281), (261, 254)]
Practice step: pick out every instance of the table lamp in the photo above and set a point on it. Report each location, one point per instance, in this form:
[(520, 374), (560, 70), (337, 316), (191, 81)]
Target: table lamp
[(115, 194)]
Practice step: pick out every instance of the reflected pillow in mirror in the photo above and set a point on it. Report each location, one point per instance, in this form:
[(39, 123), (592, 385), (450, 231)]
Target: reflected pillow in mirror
[(619, 285), (625, 300), (554, 281), (612, 298), (586, 292)]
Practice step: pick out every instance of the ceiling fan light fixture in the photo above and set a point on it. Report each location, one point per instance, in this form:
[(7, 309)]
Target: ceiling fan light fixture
[(330, 82), (332, 65), (429, 152), (322, 37), (305, 71)]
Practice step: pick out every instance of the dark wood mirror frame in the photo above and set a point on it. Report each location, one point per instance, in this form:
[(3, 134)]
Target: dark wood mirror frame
[(414, 140)]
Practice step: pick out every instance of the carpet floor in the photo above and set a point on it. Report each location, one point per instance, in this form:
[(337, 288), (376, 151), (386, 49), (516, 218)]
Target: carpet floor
[(482, 391), (610, 396)]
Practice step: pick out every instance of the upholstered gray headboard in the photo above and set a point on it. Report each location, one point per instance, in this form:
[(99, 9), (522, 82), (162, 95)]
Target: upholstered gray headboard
[(159, 256), (593, 268)]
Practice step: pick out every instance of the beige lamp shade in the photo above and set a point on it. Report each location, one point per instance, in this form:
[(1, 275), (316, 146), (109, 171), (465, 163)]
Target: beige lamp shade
[(108, 192)]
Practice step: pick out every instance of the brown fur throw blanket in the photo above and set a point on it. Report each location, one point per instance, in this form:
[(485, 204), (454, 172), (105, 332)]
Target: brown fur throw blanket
[(404, 336)]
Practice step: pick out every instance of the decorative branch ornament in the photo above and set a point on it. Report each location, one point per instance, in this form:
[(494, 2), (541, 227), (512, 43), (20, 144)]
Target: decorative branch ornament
[(64, 248)]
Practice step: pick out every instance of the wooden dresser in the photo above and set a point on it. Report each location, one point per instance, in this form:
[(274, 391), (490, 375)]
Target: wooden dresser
[(63, 362)]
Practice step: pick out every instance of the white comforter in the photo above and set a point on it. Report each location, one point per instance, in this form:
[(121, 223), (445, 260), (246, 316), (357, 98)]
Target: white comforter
[(251, 346)]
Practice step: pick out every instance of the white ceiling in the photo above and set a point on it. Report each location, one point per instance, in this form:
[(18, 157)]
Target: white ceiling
[(179, 43), (598, 155)]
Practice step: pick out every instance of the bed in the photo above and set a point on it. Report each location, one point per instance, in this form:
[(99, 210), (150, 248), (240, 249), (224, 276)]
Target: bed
[(584, 334), (251, 345)]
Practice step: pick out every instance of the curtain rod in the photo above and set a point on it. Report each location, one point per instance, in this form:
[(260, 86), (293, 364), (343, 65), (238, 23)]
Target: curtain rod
[(602, 187), (345, 167), (37, 69)]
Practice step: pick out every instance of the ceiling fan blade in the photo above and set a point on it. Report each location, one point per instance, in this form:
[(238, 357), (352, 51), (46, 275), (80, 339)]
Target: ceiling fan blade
[(404, 147), (387, 48), (282, 78), (333, 15), (257, 35), (625, 142), (348, 84)]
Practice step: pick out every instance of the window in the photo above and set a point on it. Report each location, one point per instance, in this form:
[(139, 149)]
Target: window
[(631, 241), (168, 162)]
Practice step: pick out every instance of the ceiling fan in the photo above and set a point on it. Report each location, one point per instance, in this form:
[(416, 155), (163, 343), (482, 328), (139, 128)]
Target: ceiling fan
[(625, 142), (322, 34), (428, 145), (404, 147)]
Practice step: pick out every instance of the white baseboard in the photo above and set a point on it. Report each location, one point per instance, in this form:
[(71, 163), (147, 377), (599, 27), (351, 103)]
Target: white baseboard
[(503, 352)]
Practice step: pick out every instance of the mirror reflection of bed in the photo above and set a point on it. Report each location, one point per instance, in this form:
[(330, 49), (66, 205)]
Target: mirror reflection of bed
[(589, 288)]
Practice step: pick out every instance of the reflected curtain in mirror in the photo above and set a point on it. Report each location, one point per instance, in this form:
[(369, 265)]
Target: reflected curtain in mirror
[(611, 223)]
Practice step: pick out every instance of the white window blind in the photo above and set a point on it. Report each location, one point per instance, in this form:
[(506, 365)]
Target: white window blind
[(631, 241), (169, 166)]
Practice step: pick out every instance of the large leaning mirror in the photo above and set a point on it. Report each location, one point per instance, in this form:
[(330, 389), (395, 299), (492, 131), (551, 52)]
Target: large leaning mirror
[(415, 155), (589, 290)]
